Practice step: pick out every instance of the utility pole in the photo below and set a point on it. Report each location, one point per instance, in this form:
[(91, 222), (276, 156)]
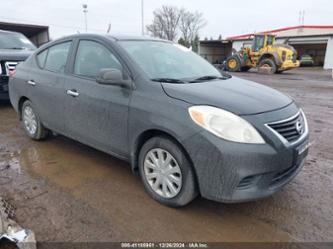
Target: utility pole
[(85, 11), (301, 17), (109, 28), (142, 18)]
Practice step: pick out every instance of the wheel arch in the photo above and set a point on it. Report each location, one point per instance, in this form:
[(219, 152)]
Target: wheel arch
[(272, 56), (144, 137), (20, 105)]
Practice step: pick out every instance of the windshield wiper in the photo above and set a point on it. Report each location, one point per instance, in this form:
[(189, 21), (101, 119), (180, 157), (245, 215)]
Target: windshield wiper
[(210, 77), (19, 48), (168, 80)]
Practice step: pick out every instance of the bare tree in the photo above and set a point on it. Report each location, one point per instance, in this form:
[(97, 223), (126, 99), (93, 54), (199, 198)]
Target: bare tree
[(165, 23), (189, 25)]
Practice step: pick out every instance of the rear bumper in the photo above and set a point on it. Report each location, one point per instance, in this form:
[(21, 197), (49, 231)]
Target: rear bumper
[(234, 172)]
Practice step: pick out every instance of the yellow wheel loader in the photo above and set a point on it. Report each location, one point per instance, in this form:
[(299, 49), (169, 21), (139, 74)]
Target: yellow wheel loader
[(263, 53)]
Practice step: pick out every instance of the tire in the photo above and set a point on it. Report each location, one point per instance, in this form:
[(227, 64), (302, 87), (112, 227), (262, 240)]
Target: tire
[(233, 64), (36, 131), (269, 63), (186, 191)]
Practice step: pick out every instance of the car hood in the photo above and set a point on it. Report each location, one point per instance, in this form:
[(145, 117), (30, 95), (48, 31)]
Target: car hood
[(14, 54), (236, 95)]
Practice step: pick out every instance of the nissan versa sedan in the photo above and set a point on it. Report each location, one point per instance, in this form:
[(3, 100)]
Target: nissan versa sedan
[(186, 128)]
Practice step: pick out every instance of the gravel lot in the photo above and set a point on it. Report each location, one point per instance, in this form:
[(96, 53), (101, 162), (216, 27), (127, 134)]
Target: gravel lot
[(66, 191)]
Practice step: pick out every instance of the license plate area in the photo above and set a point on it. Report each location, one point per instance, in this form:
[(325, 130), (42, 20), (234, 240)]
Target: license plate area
[(301, 152)]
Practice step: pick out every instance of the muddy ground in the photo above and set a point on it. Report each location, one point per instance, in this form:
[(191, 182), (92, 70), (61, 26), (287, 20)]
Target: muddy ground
[(66, 191)]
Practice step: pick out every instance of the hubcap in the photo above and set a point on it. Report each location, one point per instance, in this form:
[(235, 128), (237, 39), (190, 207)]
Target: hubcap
[(162, 173), (266, 65), (232, 63), (29, 119)]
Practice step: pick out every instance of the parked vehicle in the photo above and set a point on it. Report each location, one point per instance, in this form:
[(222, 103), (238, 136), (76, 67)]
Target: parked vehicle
[(14, 48), (264, 53), (186, 128), (306, 60)]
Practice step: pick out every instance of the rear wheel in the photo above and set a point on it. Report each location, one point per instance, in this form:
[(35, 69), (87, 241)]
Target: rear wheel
[(166, 173), (268, 64), (31, 122), (233, 64)]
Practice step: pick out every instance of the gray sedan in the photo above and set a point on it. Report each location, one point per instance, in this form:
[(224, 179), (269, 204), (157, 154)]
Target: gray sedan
[(186, 128)]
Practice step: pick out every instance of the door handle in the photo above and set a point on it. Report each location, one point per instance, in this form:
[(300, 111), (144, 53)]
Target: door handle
[(73, 93), (31, 82)]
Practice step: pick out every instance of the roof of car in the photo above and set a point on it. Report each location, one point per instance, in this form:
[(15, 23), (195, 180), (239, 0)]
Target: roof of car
[(128, 37), (8, 32), (116, 37)]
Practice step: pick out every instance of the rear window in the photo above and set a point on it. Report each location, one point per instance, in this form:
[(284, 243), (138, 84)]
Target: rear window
[(57, 57), (15, 41)]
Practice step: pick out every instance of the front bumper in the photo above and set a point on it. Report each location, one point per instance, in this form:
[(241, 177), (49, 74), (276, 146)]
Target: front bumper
[(234, 172), (287, 65), (4, 88)]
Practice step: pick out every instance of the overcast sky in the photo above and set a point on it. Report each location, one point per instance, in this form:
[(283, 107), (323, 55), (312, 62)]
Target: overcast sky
[(223, 17)]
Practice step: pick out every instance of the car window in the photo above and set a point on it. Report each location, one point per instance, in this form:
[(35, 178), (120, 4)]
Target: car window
[(41, 58), (57, 57), (9, 40), (91, 57)]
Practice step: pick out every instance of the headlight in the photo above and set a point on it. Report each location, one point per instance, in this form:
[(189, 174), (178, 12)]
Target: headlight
[(225, 124)]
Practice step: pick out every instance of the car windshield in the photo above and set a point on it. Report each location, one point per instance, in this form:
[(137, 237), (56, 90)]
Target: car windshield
[(15, 41), (169, 62)]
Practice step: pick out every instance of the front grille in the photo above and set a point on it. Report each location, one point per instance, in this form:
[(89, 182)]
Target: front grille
[(291, 129)]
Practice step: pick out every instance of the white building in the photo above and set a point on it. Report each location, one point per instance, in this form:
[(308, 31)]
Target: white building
[(316, 41)]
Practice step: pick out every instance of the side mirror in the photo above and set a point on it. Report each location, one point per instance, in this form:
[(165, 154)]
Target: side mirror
[(112, 76)]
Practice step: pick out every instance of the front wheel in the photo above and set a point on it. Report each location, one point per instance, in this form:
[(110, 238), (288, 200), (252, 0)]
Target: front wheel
[(166, 172), (31, 122), (268, 64)]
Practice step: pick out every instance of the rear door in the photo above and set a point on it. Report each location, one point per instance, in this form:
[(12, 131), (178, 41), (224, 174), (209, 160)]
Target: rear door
[(47, 85), (96, 114)]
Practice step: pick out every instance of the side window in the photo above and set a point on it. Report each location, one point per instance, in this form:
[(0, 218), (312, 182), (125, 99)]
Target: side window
[(258, 43), (57, 57), (41, 58), (270, 40), (91, 57)]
